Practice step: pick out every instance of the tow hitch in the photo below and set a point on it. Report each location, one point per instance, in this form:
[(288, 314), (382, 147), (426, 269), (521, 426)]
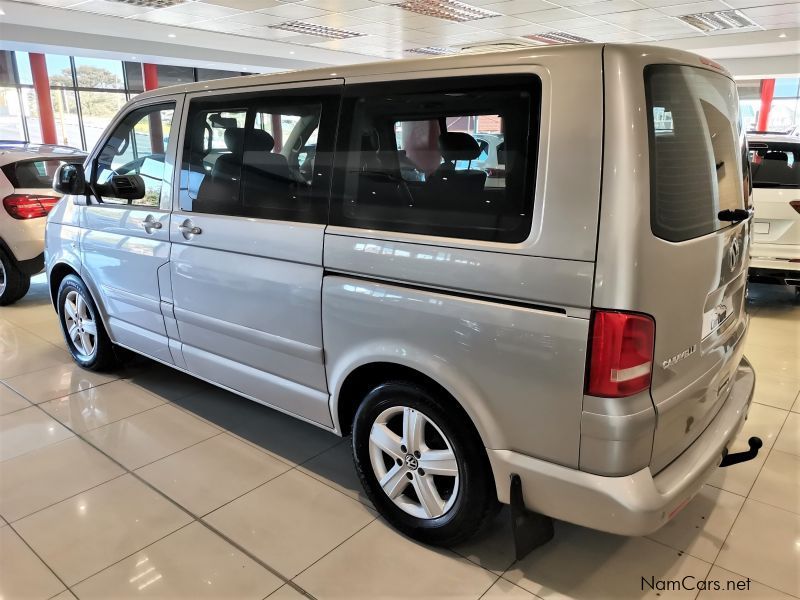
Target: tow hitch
[(755, 444)]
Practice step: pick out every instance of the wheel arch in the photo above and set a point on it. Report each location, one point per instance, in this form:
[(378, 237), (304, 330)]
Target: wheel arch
[(56, 275), (350, 388)]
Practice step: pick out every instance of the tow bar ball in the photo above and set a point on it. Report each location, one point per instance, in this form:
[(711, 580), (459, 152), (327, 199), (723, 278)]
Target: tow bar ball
[(755, 444)]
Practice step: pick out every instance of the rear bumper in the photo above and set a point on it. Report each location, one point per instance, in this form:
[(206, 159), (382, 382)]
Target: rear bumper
[(774, 270), (635, 504)]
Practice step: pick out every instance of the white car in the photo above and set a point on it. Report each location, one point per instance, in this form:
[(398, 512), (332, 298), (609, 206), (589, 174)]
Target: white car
[(26, 177), (775, 168)]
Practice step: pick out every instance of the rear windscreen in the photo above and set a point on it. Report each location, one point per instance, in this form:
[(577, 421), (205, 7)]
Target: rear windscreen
[(775, 164), (697, 150), (36, 173)]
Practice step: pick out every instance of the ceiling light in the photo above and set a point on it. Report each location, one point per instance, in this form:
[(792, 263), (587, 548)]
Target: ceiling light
[(452, 10), (318, 30), (433, 51), (782, 35), (718, 20), (151, 3), (556, 37), (171, 35)]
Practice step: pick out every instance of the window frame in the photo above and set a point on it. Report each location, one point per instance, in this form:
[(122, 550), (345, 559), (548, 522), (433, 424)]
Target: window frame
[(327, 90), (91, 198), (423, 82)]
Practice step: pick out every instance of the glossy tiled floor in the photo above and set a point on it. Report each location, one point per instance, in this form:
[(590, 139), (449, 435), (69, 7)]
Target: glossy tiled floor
[(147, 483)]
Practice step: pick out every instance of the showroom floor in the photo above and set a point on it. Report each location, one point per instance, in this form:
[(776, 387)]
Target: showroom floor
[(149, 483)]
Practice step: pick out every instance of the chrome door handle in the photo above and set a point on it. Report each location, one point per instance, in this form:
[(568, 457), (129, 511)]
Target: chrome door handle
[(188, 229), (150, 223)]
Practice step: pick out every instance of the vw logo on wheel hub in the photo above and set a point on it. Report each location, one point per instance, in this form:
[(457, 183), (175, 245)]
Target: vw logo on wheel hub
[(411, 462)]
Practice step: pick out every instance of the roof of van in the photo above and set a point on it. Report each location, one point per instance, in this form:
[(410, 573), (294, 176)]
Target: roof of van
[(523, 56)]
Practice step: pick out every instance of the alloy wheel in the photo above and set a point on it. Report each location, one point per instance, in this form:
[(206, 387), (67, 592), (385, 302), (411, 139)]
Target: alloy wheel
[(413, 462), (2, 278), (80, 325)]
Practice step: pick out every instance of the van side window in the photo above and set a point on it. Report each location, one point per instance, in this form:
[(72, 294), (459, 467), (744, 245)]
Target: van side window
[(255, 156), (445, 157), (137, 147)]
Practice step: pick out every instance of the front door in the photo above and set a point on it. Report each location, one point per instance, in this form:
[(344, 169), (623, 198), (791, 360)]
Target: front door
[(246, 264), (125, 240)]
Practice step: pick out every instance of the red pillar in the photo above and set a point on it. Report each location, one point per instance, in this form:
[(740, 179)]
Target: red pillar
[(150, 78), (767, 92), (277, 133), (41, 85)]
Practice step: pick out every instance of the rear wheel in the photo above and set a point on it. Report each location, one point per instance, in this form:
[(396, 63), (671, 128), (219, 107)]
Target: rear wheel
[(83, 330), (422, 464), (14, 284)]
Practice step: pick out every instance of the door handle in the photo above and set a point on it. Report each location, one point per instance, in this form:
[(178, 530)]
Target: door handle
[(150, 223), (188, 229)]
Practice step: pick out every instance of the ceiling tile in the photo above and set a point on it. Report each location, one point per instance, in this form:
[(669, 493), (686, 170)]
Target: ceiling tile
[(524, 30), (292, 12), (576, 23), (663, 26), (553, 14), (164, 17), (693, 8), (337, 20), (448, 28), (382, 12), (200, 9), (503, 21), (632, 18), (773, 9), (608, 6), (221, 26), (244, 4), (661, 3), (516, 7), (752, 3), (338, 5), (255, 19), (106, 7), (476, 37)]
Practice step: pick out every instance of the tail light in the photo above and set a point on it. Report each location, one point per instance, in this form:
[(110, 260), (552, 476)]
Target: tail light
[(29, 206), (620, 361), (795, 204)]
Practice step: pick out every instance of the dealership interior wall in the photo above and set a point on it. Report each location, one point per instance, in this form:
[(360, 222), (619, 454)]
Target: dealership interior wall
[(146, 482)]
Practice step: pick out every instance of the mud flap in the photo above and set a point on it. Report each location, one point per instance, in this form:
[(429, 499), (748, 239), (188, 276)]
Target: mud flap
[(530, 529)]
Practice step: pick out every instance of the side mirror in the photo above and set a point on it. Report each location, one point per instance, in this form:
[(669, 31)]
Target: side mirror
[(70, 179)]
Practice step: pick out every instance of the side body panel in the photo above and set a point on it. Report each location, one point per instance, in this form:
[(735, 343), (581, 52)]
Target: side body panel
[(503, 327)]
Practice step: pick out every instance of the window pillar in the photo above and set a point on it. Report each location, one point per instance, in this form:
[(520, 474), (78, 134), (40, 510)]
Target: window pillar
[(41, 85), (150, 78)]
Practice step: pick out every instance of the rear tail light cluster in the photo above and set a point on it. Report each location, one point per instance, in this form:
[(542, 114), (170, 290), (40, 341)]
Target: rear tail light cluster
[(620, 361), (795, 204), (29, 206)]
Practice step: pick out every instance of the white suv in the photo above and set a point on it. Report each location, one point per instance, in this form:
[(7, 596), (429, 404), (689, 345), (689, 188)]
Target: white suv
[(775, 167), (26, 176)]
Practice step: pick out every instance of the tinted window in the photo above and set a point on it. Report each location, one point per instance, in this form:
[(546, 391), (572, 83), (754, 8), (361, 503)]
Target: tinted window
[(257, 157), (775, 164), (697, 160), (34, 173), (136, 148), (410, 158)]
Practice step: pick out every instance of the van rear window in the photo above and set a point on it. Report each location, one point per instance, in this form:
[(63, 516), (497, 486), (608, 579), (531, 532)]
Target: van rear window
[(775, 164), (697, 150)]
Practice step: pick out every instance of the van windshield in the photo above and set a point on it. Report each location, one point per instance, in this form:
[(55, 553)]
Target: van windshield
[(697, 151)]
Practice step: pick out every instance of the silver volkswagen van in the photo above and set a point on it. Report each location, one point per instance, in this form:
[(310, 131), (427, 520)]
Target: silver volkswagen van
[(563, 332)]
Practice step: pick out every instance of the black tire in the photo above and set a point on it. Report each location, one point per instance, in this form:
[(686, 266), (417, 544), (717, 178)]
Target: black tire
[(475, 495), (16, 282), (103, 357)]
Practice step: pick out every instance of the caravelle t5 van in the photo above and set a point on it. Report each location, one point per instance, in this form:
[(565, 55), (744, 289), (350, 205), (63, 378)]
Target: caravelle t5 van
[(571, 319)]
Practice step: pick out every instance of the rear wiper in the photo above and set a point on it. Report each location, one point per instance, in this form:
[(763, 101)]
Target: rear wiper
[(734, 216)]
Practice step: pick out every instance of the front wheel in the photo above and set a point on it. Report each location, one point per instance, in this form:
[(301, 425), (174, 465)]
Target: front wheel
[(422, 464), (83, 330)]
